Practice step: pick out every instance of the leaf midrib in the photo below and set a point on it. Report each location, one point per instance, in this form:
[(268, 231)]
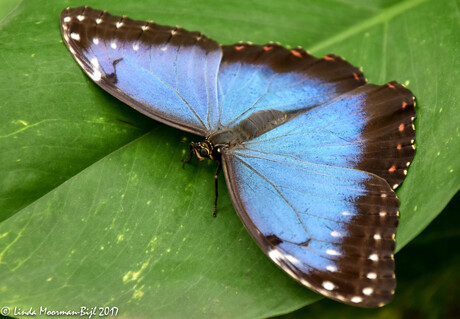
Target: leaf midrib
[(384, 16)]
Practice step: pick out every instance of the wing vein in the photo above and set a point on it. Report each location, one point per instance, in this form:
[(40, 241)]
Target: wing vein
[(279, 192)]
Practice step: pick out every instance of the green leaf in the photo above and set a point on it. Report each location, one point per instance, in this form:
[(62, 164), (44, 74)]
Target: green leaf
[(95, 207)]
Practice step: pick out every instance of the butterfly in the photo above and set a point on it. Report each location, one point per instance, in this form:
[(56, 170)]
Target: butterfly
[(310, 151)]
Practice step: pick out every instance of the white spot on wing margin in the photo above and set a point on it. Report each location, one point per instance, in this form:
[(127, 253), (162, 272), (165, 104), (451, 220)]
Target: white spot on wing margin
[(336, 234), (374, 257), (75, 36), (332, 252), (292, 259), (328, 285), (356, 299), (372, 275), (368, 291), (331, 268), (95, 74), (276, 256)]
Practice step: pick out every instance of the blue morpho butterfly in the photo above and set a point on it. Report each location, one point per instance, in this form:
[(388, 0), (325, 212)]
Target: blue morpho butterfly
[(310, 152)]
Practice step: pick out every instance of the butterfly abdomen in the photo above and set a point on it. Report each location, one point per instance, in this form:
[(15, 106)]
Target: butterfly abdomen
[(253, 126)]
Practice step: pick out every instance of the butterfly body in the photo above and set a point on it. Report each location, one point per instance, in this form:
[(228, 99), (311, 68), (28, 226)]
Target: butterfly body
[(251, 127), (310, 151)]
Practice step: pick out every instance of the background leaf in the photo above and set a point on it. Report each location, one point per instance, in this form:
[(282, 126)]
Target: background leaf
[(95, 208)]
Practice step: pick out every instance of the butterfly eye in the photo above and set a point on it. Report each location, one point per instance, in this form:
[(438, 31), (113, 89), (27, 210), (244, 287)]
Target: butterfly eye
[(204, 152)]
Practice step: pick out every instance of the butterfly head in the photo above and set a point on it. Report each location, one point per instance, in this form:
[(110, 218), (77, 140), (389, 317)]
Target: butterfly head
[(204, 150)]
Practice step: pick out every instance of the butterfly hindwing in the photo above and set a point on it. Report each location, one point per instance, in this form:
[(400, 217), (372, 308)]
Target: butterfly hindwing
[(388, 147), (167, 73), (254, 78), (305, 194)]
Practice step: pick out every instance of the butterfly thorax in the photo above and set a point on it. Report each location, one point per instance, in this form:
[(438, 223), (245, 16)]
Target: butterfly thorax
[(253, 126), (247, 129)]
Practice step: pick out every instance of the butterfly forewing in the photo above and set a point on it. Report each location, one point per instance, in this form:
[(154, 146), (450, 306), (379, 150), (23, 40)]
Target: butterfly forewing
[(313, 187), (165, 72)]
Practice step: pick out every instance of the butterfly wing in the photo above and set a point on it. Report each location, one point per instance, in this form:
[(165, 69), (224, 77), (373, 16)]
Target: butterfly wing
[(254, 78), (167, 73), (189, 81), (315, 196)]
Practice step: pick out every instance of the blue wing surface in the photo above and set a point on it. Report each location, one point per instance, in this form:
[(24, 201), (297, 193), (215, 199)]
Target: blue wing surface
[(167, 73), (254, 78), (303, 194), (189, 81)]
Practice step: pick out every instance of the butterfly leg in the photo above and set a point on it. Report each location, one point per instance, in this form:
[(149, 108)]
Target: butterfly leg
[(190, 154), (216, 184)]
